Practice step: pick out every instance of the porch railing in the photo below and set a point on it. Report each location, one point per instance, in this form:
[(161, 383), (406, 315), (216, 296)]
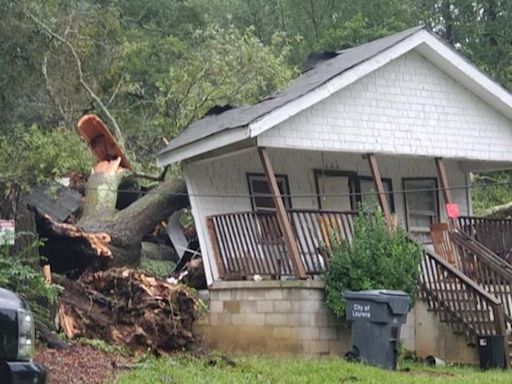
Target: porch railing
[(251, 243), (495, 234)]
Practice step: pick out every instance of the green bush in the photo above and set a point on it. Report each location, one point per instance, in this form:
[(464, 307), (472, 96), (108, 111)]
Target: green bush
[(377, 258)]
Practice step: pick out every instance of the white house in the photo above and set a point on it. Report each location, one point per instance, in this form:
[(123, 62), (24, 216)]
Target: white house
[(406, 116)]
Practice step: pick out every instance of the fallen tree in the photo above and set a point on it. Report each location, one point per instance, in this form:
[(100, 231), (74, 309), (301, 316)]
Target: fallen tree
[(104, 236), (502, 211), (126, 307)]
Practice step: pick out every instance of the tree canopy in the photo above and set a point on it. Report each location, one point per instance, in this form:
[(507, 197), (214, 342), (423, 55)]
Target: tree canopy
[(151, 67)]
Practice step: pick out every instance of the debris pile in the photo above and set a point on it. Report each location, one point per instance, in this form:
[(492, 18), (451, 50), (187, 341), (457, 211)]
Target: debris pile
[(126, 307)]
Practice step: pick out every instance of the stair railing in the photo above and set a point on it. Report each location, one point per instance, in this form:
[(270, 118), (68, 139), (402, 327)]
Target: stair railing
[(485, 268), (461, 302)]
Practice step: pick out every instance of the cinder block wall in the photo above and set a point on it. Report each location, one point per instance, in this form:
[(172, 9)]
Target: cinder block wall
[(281, 317)]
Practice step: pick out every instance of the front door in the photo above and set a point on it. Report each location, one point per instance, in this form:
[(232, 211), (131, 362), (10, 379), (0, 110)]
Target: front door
[(334, 192)]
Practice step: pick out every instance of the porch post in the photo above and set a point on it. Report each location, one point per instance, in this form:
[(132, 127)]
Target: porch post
[(282, 216), (443, 181), (379, 187)]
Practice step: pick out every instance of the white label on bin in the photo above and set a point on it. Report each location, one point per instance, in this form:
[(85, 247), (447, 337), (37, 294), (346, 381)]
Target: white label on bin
[(362, 311)]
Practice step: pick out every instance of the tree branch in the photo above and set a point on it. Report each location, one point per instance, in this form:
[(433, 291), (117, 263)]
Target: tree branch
[(49, 88), (49, 32), (116, 90)]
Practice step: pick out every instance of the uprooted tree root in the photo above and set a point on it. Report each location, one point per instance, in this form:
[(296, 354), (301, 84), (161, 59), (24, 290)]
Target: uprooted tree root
[(127, 307)]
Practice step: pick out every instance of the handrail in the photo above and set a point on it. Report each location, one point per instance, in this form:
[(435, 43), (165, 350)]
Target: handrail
[(483, 251), (493, 233), (459, 275), (461, 302), (490, 219), (486, 269)]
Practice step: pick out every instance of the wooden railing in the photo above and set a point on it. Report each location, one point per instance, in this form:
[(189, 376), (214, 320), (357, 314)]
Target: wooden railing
[(495, 234), (486, 269), (251, 243), (315, 230), (459, 301)]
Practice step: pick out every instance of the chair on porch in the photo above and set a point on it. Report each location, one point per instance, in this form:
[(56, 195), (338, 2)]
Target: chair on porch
[(442, 243), (445, 248)]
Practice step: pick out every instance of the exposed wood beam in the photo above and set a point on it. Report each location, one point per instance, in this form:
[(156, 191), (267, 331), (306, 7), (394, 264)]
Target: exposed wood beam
[(282, 217), (443, 181), (379, 187), (445, 189), (215, 246)]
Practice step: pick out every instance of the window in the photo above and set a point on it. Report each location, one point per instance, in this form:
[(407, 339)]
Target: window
[(368, 194), (261, 199), (421, 204), (343, 190)]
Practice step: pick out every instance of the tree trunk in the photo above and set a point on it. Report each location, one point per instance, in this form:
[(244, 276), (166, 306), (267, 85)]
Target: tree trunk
[(128, 226), (105, 237)]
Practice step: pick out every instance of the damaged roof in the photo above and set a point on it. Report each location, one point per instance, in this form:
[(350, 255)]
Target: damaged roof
[(316, 76), (54, 200)]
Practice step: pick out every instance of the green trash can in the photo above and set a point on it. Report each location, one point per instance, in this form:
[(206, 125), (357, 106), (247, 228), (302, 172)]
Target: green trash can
[(376, 318)]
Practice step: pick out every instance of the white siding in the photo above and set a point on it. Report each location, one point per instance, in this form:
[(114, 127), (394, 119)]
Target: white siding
[(407, 107), (225, 179)]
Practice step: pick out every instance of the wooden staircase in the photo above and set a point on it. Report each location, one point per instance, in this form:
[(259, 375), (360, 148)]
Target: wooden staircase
[(475, 298)]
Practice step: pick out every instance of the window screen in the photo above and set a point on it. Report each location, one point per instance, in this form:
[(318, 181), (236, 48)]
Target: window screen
[(421, 203)]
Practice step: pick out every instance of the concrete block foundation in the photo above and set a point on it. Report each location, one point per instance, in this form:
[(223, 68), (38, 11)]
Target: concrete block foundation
[(290, 317)]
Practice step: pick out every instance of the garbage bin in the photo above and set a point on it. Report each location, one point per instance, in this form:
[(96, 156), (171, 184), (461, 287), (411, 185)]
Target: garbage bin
[(491, 352), (376, 317)]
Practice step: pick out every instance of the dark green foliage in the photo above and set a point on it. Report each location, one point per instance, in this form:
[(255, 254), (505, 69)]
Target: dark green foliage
[(158, 65), (20, 274), (491, 189), (29, 155), (377, 258)]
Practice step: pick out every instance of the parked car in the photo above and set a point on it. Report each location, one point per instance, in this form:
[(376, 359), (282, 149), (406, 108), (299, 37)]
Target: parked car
[(17, 342)]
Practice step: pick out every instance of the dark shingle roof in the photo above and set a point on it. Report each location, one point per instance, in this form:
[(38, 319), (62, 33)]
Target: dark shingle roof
[(54, 200), (313, 78)]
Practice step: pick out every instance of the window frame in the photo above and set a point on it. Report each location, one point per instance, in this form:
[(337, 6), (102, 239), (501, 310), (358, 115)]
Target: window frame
[(281, 178), (354, 185), (351, 175), (385, 180), (437, 217)]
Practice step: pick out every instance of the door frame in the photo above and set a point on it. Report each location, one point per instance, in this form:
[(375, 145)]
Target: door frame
[(352, 183)]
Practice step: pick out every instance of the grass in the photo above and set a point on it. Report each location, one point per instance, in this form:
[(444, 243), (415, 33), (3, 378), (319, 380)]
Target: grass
[(185, 369), (158, 268)]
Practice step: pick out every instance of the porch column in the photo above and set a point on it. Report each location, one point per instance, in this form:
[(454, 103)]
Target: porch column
[(282, 216), (445, 189), (379, 187)]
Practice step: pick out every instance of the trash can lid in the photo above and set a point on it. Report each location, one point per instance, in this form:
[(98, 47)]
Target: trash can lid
[(398, 301)]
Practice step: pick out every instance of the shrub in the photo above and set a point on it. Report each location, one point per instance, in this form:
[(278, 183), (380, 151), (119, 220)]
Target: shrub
[(377, 258)]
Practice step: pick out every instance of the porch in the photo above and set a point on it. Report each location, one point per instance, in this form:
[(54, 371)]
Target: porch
[(271, 213), (249, 244)]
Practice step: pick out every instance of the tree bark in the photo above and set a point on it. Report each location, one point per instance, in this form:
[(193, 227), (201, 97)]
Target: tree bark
[(128, 226), (105, 237), (500, 211)]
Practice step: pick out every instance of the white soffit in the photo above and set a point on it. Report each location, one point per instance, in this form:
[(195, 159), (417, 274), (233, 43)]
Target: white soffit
[(202, 146)]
